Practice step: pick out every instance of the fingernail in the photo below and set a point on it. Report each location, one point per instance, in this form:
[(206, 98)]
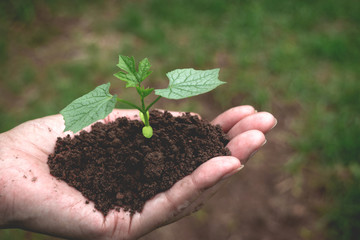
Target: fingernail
[(253, 153), (232, 173), (274, 125)]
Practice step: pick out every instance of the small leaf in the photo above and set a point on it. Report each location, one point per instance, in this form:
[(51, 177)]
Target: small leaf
[(189, 82), (128, 78), (127, 65), (144, 92), (144, 69), (89, 108)]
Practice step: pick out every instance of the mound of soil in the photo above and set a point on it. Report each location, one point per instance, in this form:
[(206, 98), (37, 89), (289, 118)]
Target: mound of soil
[(115, 166)]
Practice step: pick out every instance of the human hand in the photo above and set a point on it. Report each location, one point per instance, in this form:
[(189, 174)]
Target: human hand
[(32, 199)]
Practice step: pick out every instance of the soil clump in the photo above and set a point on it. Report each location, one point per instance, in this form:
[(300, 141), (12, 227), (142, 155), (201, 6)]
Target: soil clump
[(115, 166)]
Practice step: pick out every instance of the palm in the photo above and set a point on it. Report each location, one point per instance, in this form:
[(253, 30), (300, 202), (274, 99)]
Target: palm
[(42, 203)]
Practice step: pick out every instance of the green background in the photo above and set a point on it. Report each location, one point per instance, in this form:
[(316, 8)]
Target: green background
[(296, 59)]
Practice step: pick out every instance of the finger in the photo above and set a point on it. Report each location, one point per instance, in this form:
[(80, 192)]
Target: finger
[(262, 121), (205, 176), (169, 205), (116, 113), (230, 117), (246, 144), (207, 193)]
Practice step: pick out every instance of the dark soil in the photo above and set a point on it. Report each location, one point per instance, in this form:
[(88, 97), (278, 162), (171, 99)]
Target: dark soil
[(115, 166)]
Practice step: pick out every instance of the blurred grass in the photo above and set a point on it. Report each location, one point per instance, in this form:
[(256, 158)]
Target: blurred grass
[(302, 55)]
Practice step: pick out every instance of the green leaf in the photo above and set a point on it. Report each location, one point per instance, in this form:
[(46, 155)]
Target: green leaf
[(89, 108), (189, 82), (127, 64), (130, 79), (144, 92), (144, 69)]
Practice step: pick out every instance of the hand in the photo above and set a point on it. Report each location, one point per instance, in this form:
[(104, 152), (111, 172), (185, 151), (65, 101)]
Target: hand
[(30, 198)]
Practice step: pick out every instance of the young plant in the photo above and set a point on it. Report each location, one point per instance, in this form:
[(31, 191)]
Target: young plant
[(99, 103)]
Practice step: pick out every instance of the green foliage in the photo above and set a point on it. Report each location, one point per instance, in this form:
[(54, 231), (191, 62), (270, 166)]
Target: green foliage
[(342, 220), (3, 49), (335, 47), (331, 136), (339, 143), (22, 10)]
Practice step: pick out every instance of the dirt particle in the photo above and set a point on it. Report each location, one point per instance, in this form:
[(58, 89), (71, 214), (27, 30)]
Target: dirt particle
[(119, 196), (34, 179)]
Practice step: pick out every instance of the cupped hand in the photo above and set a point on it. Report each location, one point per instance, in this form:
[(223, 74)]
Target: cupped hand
[(32, 199)]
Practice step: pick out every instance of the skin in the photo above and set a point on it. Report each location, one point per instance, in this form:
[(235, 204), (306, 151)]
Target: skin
[(31, 199)]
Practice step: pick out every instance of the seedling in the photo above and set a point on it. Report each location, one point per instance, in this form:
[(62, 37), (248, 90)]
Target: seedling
[(99, 103)]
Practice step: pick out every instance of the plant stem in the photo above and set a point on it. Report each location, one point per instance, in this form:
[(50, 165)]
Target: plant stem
[(129, 103), (148, 107), (144, 112), (143, 105)]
